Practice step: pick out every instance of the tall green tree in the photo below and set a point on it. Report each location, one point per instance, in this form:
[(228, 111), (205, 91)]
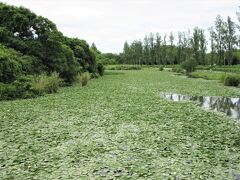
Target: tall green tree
[(126, 52), (202, 47), (180, 48), (152, 48), (171, 50), (196, 44), (219, 38), (158, 49), (164, 49), (146, 50), (231, 40), (212, 46)]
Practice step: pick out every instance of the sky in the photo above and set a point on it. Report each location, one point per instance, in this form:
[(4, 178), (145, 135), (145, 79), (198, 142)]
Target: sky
[(109, 23)]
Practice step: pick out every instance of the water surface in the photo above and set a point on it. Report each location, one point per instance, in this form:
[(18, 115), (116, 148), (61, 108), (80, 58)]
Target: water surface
[(229, 106)]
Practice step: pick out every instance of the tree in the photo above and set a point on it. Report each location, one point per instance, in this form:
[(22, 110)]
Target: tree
[(171, 50), (126, 53), (195, 41), (94, 48), (164, 49), (158, 51), (202, 47), (219, 38), (231, 39), (180, 47), (212, 45), (152, 49), (146, 51)]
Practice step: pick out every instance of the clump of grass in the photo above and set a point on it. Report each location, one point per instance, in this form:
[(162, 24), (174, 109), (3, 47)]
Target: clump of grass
[(177, 70), (222, 79), (47, 84), (84, 78)]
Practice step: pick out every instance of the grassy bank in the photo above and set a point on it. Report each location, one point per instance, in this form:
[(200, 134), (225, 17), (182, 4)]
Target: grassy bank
[(209, 75), (118, 126)]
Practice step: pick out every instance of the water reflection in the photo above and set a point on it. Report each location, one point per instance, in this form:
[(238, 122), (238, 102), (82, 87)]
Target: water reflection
[(230, 106)]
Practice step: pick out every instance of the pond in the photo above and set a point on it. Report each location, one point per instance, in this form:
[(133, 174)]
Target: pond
[(229, 106)]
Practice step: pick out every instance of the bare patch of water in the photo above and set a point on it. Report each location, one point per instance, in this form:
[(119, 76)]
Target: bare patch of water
[(229, 106)]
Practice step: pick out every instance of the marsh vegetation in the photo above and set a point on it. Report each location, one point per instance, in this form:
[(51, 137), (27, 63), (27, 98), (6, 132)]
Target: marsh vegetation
[(69, 111)]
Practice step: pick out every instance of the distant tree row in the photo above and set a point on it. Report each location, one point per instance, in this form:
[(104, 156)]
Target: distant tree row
[(31, 44), (168, 49), (104, 58)]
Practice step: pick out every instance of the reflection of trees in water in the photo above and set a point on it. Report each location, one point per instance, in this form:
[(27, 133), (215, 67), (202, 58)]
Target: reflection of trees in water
[(230, 106)]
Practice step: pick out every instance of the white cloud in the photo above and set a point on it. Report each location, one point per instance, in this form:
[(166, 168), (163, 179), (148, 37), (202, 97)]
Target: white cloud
[(109, 23)]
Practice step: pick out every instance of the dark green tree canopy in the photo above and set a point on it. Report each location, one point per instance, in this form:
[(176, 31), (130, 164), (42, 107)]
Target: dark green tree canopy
[(47, 49)]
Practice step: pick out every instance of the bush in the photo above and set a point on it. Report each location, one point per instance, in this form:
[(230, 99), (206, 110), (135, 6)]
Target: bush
[(189, 65), (232, 80), (100, 69), (21, 88), (161, 68), (24, 87), (85, 77), (7, 91)]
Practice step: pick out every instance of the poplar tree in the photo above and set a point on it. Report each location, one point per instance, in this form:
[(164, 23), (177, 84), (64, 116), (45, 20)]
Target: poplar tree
[(231, 39)]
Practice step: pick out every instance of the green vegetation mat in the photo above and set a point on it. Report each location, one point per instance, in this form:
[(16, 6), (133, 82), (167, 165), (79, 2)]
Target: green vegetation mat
[(119, 127), (209, 75)]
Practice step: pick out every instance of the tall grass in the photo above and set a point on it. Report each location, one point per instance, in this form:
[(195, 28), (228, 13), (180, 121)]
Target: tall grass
[(47, 84), (84, 78)]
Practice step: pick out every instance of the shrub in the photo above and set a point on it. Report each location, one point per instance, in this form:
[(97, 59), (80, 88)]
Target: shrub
[(7, 91), (232, 80), (85, 77), (161, 68), (21, 88), (189, 65), (24, 87), (100, 69)]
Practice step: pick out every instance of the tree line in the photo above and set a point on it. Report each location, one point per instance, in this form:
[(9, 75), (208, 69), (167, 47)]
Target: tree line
[(170, 49)]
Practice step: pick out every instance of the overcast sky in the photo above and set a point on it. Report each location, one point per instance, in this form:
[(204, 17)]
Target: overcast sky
[(109, 23)]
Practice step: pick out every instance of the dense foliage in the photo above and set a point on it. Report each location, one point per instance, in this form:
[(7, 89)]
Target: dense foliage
[(32, 45)]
